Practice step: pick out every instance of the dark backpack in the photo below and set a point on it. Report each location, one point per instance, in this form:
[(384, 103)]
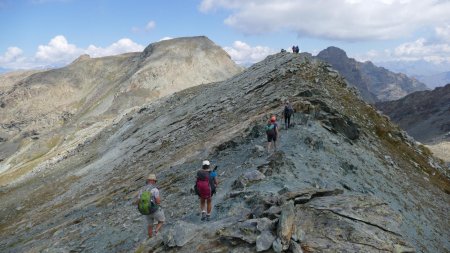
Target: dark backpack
[(270, 128), (212, 184), (288, 111), (146, 206)]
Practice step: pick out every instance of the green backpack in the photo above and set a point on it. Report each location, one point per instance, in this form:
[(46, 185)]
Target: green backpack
[(146, 205)]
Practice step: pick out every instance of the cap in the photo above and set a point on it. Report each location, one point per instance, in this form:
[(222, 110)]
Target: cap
[(151, 177), (205, 162)]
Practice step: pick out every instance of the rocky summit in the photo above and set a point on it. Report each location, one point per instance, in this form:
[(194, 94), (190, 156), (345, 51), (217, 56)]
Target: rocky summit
[(343, 179), (374, 83)]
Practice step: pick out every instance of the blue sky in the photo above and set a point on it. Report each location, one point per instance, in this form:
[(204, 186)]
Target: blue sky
[(43, 33)]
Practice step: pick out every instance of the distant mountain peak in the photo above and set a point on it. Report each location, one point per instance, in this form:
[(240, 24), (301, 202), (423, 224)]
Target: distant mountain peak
[(374, 83), (334, 52), (81, 58)]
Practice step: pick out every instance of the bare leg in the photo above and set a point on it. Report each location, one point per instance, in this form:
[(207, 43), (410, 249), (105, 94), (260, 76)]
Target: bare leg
[(158, 226), (203, 208), (202, 205), (268, 147), (209, 205), (150, 231)]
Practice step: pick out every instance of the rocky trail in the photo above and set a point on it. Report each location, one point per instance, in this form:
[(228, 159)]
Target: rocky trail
[(344, 179)]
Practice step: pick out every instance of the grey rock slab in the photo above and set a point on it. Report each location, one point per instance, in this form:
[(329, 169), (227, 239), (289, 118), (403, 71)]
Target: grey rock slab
[(363, 208), (245, 231), (254, 175), (264, 241), (333, 222), (181, 234)]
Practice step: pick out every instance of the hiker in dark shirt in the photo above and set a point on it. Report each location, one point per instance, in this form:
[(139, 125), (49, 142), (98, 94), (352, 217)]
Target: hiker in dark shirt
[(287, 113), (206, 187)]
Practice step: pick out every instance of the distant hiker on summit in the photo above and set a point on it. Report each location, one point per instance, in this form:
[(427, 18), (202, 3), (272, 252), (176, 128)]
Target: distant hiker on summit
[(149, 205), (287, 113), (272, 133), (205, 188)]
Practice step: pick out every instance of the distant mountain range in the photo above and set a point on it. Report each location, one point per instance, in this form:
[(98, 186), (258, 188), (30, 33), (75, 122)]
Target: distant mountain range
[(374, 83), (436, 80), (432, 74), (424, 114)]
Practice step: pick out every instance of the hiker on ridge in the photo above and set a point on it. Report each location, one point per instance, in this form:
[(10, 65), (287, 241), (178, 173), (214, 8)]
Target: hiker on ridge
[(206, 187), (149, 205), (287, 113), (272, 133)]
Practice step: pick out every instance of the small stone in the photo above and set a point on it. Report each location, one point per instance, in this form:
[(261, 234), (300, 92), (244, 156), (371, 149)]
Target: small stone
[(264, 224), (276, 245), (259, 149), (299, 235), (295, 248), (273, 211), (403, 249), (264, 241)]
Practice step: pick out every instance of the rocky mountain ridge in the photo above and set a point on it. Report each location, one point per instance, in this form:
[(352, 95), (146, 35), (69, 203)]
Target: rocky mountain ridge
[(374, 83), (425, 115), (45, 115), (344, 178)]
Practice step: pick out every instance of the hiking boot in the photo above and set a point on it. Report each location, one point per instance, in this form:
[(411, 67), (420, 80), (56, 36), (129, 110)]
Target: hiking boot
[(208, 217), (203, 216)]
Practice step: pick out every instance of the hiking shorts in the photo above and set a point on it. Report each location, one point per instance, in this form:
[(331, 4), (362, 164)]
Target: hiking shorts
[(156, 216), (271, 137)]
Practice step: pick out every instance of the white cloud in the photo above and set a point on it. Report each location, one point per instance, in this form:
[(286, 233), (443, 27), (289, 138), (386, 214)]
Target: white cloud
[(12, 53), (12, 58), (421, 49), (166, 38), (59, 52), (443, 33), (244, 54), (148, 27), (347, 20), (121, 46), (418, 50)]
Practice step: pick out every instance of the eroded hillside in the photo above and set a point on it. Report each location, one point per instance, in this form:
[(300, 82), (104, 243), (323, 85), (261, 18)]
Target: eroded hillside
[(44, 116), (344, 178)]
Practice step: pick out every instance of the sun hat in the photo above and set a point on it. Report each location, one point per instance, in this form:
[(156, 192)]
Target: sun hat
[(151, 177), (205, 162)]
